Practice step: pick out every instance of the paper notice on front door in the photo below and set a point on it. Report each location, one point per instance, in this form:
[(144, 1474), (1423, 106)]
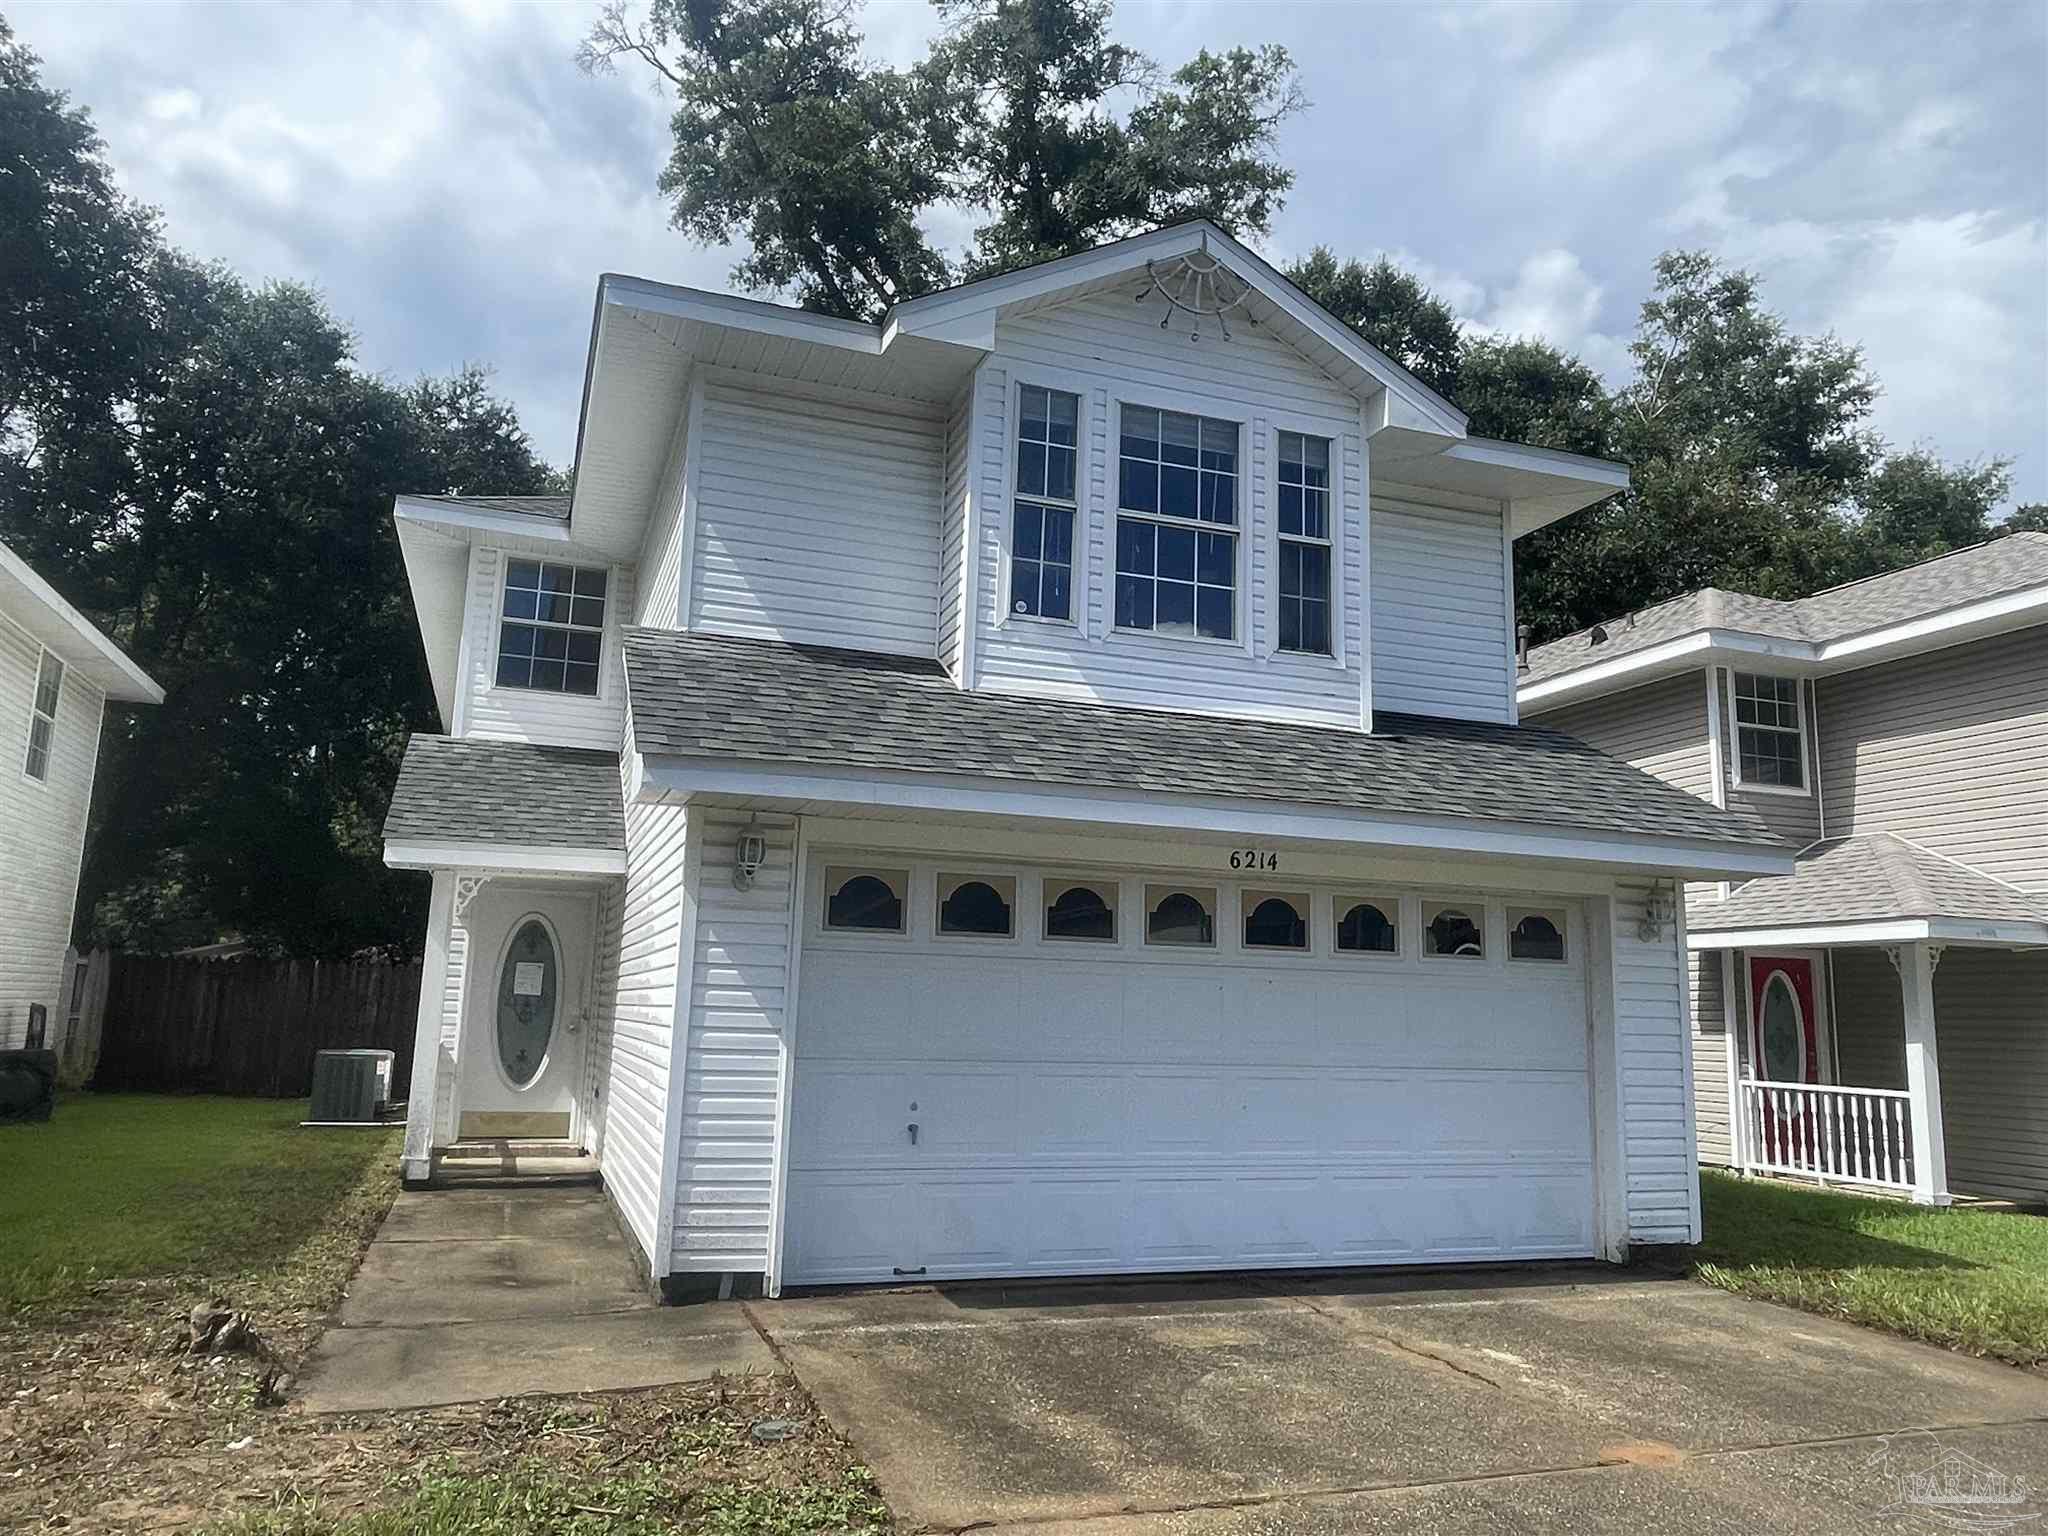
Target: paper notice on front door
[(528, 977)]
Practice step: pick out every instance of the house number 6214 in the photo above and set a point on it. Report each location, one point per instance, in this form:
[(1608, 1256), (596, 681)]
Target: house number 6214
[(1253, 858)]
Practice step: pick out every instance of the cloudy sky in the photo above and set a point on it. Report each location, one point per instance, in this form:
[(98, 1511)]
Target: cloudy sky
[(453, 183)]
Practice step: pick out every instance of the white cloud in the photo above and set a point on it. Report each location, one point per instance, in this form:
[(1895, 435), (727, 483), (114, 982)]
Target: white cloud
[(453, 184)]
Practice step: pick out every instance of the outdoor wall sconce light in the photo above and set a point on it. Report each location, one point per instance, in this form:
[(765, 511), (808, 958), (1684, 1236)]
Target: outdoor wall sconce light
[(748, 856), (1656, 913)]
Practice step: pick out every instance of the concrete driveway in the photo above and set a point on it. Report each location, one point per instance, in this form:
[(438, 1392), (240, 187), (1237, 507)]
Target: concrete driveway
[(1570, 1399)]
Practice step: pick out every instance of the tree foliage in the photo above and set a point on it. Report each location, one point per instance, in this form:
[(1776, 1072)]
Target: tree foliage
[(199, 465), (827, 165), (1751, 457)]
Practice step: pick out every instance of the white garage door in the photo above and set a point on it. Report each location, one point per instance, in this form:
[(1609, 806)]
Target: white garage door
[(1084, 1110)]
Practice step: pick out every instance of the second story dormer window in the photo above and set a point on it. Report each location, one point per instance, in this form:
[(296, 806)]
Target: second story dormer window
[(551, 630), (1305, 542), (1770, 735), (1042, 513), (1176, 526)]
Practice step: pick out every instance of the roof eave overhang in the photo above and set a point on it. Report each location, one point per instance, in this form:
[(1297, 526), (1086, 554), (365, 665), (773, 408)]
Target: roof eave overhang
[(2001, 934), (76, 640), (1724, 647), (521, 858), (808, 788), (464, 521)]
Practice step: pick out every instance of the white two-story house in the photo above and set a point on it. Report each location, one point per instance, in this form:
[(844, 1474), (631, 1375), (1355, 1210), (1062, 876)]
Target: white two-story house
[(1034, 787), (58, 674)]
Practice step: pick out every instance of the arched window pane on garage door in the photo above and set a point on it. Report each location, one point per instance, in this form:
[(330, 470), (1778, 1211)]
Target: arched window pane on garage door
[(1275, 922), (1456, 931), (1075, 911), (1536, 935), (968, 905), (865, 900), (1179, 915), (1367, 927)]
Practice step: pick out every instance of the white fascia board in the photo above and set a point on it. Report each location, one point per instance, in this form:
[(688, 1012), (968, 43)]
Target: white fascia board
[(742, 314), (957, 314), (1904, 930), (1701, 648), (449, 516), (78, 642), (2010, 610), (680, 778), (506, 858), (437, 572), (1992, 615)]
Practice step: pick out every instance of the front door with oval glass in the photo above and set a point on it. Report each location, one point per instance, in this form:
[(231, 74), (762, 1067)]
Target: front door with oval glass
[(527, 985)]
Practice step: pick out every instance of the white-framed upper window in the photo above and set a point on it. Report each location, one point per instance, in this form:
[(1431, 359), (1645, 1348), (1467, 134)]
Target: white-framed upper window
[(1770, 731), (1044, 506), (42, 719), (1307, 543), (551, 629), (1177, 523)]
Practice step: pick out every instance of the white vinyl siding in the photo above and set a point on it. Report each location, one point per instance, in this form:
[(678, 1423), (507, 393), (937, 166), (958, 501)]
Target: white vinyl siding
[(1991, 1032), (817, 520), (1949, 750), (1110, 356), (1658, 1152), (953, 539), (604, 1002), (732, 1076), (1440, 628), (1712, 1115), (661, 552), (529, 714), (42, 832), (639, 1035), (1660, 728)]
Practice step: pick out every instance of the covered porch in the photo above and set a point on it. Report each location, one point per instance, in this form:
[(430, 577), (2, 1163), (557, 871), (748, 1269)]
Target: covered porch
[(1886, 1018)]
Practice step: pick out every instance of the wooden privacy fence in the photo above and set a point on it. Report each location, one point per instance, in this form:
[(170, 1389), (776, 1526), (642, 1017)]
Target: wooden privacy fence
[(173, 1025)]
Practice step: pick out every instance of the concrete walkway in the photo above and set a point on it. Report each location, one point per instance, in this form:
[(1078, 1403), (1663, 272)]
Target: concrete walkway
[(482, 1292), (1585, 1400)]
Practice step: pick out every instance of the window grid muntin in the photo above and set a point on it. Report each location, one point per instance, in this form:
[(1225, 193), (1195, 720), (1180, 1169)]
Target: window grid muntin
[(953, 886), (1521, 945), (839, 877), (1200, 456), (1306, 543), (1203, 896), (1054, 889), (551, 635), (1046, 486), (1255, 905), (1389, 909), (1770, 730), (42, 718)]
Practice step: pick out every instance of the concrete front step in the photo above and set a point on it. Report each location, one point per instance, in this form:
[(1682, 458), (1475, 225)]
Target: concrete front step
[(467, 1164)]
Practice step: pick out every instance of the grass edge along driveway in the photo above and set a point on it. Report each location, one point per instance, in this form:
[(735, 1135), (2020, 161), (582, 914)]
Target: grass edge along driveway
[(1971, 1280)]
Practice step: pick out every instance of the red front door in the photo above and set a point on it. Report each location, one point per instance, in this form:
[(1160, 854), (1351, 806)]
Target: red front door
[(1784, 1034)]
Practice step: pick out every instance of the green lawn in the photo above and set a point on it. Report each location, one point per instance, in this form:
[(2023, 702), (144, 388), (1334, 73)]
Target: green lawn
[(197, 1190), (1972, 1280)]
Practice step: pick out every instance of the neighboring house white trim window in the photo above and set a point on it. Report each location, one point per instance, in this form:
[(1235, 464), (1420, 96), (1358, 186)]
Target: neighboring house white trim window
[(1769, 712), (42, 718), (1307, 544), (1045, 505), (551, 626), (1177, 523)]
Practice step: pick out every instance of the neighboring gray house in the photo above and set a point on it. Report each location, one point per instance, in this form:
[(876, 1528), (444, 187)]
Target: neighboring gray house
[(57, 676), (1018, 790), (1880, 1018)]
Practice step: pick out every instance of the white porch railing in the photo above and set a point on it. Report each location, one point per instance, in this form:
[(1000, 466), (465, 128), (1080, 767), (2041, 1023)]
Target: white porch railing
[(1860, 1136)]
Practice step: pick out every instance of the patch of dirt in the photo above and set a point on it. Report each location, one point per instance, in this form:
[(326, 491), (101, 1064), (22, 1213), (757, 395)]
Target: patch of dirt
[(108, 1424)]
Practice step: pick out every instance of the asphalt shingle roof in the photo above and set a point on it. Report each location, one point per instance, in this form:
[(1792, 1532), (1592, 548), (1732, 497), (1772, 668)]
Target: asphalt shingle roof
[(553, 508), (1874, 878), (2010, 564), (471, 791), (761, 701)]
